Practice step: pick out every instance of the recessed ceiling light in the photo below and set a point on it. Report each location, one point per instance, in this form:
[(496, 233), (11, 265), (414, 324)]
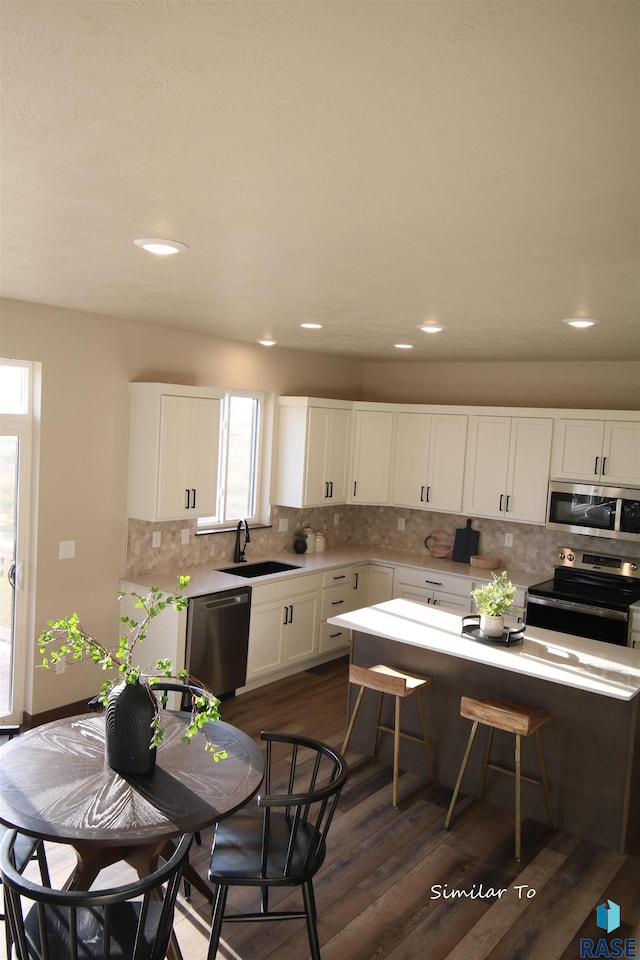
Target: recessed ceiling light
[(403, 346), (311, 326), (430, 327), (162, 248), (267, 343), (580, 322)]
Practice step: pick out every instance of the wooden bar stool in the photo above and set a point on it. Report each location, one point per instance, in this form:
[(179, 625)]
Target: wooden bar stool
[(400, 685), (522, 721)]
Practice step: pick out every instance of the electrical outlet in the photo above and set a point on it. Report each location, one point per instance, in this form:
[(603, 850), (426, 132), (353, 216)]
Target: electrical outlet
[(185, 535), (283, 524), (66, 550), (400, 523), (156, 538), (508, 539), (336, 519)]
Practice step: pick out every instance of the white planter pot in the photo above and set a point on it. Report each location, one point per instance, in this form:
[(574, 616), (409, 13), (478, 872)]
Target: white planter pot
[(491, 626)]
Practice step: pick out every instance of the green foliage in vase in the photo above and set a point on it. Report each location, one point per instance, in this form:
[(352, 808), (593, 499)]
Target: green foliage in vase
[(495, 598), (71, 639)]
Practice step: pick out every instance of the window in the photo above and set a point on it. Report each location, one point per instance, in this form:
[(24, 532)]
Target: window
[(240, 457)]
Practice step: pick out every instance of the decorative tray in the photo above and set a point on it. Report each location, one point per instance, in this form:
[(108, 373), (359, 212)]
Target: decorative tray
[(471, 629)]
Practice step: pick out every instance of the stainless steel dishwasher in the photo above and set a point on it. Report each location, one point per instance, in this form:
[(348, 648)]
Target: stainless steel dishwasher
[(218, 639)]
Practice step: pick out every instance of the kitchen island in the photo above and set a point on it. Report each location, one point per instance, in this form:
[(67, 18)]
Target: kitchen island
[(591, 746)]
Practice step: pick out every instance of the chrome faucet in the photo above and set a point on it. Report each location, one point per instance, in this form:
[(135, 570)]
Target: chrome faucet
[(238, 553)]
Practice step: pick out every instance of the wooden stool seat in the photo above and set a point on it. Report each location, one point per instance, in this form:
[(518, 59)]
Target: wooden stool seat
[(386, 680), (521, 721), (512, 717)]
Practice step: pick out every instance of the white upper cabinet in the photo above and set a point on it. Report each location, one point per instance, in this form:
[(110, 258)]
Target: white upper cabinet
[(372, 443), (508, 467), (174, 437), (596, 451), (312, 452), (428, 461)]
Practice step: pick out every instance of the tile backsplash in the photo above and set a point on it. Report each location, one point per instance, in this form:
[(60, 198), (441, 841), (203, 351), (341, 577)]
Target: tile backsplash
[(533, 547)]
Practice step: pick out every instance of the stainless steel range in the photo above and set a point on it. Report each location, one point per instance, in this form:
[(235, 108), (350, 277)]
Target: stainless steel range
[(589, 596)]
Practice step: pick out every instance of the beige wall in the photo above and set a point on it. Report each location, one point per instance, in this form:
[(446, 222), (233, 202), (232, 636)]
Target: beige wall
[(608, 385), (87, 362)]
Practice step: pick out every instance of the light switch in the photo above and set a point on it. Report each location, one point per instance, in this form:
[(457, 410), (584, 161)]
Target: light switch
[(66, 549), (185, 535), (156, 538), (508, 539), (283, 524)]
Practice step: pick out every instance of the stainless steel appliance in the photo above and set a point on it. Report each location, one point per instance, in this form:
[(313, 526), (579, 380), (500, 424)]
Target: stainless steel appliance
[(218, 639), (589, 596), (612, 512)]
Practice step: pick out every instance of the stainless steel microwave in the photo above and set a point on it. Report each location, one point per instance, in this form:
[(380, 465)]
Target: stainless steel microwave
[(612, 512)]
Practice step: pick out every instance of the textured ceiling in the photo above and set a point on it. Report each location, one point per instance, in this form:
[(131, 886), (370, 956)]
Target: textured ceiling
[(364, 165)]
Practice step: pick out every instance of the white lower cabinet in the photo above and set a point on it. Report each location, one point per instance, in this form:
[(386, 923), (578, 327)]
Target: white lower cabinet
[(428, 586), (339, 595), (284, 625), (634, 629), (378, 585)]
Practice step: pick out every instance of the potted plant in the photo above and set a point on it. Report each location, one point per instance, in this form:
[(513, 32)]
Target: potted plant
[(300, 541), (493, 600), (133, 719)]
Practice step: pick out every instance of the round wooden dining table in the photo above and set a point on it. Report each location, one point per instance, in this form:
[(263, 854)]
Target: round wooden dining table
[(55, 784)]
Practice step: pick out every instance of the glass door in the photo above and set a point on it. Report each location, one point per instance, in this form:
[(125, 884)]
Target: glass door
[(9, 453), (16, 584)]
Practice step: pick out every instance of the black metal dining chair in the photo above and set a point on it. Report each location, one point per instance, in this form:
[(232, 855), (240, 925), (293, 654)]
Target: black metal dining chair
[(26, 848), (129, 922), (281, 841)]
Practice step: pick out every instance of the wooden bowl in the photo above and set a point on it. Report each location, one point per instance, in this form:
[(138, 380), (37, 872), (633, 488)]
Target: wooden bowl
[(486, 563)]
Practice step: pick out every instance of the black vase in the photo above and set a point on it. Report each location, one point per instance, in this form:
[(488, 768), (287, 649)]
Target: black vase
[(300, 545), (128, 717)]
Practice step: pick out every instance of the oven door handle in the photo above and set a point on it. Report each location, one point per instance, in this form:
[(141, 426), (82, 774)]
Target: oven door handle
[(579, 608)]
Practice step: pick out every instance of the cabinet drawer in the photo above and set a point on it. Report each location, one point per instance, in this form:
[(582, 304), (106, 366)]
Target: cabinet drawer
[(334, 578), (333, 638), (337, 600), (285, 589), (433, 580)]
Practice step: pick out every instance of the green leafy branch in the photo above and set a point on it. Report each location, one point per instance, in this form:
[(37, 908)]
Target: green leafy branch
[(69, 638)]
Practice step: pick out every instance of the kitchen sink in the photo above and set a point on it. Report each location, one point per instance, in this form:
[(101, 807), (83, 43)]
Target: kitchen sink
[(262, 569)]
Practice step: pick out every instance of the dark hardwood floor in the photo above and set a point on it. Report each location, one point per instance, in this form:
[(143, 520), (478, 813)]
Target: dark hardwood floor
[(375, 893)]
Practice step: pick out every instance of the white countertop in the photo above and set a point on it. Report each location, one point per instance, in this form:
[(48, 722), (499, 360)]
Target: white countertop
[(210, 580), (588, 665)]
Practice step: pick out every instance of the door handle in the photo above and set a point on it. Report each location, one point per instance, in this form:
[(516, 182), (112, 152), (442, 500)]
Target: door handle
[(11, 574)]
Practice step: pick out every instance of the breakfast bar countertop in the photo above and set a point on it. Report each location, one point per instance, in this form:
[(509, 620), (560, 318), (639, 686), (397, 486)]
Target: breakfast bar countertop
[(583, 664)]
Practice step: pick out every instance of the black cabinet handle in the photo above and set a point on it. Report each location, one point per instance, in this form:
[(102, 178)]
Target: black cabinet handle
[(604, 463), (330, 488), (286, 616), (334, 635), (291, 613), (428, 493), (435, 583), (336, 603), (340, 576), (187, 501), (421, 494), (355, 581), (506, 509), (355, 484), (193, 498), (501, 499), (595, 468)]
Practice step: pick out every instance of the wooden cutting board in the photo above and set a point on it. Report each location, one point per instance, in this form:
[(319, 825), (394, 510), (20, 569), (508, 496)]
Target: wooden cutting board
[(465, 544), (440, 544)]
